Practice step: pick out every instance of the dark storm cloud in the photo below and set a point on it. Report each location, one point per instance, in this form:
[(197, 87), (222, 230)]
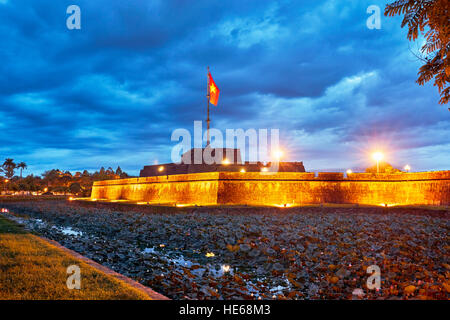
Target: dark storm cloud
[(112, 93)]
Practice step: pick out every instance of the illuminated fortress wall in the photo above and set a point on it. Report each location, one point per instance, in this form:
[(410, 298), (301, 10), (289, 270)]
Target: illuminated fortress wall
[(185, 188), (291, 188)]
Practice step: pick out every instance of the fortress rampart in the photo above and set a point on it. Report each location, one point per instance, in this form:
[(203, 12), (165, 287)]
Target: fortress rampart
[(283, 188)]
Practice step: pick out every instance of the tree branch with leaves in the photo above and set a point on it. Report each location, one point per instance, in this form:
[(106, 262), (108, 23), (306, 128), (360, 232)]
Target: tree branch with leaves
[(432, 19)]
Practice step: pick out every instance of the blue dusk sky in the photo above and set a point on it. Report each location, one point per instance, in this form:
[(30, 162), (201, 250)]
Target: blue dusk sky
[(113, 92)]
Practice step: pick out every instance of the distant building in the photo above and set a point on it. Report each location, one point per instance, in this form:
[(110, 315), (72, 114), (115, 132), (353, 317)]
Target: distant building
[(192, 161)]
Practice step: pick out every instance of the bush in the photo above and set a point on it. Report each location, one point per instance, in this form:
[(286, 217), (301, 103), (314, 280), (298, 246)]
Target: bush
[(384, 168)]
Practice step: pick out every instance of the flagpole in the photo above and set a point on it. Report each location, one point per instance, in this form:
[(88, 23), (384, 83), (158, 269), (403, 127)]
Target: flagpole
[(207, 119)]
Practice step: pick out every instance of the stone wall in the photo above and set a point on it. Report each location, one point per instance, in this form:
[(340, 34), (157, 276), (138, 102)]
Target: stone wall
[(176, 169), (290, 188), (183, 189)]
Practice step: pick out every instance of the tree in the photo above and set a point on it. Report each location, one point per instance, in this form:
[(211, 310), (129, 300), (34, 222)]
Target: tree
[(51, 177), (75, 188), (31, 183), (8, 167), (432, 18), (384, 167), (22, 166)]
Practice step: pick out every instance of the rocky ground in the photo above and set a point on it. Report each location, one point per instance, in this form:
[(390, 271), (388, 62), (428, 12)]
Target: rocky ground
[(301, 253)]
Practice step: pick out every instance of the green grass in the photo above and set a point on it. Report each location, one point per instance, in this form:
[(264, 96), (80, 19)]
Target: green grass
[(32, 269), (7, 226)]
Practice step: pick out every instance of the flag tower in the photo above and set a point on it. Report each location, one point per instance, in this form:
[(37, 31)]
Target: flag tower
[(212, 95), (207, 119)]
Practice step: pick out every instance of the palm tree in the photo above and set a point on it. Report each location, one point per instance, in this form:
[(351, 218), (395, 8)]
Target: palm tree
[(22, 166), (8, 167)]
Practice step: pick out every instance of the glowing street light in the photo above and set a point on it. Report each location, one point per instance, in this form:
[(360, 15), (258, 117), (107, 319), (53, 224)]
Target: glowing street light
[(278, 154), (6, 181), (349, 171), (378, 156), (161, 169), (407, 168), (225, 161), (242, 170)]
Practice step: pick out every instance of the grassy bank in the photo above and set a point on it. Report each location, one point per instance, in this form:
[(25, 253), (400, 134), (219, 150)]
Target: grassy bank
[(32, 269)]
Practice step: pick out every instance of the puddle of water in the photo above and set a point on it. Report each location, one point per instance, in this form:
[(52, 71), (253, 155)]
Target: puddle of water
[(180, 260), (69, 231), (149, 250), (42, 224)]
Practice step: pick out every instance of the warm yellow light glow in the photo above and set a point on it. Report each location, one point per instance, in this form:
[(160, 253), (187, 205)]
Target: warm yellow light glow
[(226, 268), (94, 199), (225, 161), (183, 205), (70, 198), (6, 180), (387, 204), (407, 168), (161, 169), (242, 170), (45, 189), (377, 156), (349, 171), (210, 254), (278, 154), (264, 169), (284, 205), (140, 203)]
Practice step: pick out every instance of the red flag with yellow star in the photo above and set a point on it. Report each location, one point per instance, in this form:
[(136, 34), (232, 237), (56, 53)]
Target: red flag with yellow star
[(213, 90)]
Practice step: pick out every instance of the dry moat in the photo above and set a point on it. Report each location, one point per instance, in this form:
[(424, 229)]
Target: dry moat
[(225, 253)]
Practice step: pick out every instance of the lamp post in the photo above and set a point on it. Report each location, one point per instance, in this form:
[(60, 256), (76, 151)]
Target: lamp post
[(378, 156), (278, 155), (6, 182), (407, 168)]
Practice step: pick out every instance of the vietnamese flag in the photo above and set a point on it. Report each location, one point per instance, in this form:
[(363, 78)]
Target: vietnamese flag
[(213, 90)]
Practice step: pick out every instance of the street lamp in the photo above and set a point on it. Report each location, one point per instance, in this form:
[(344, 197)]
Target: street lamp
[(407, 168), (378, 156), (6, 182), (278, 154)]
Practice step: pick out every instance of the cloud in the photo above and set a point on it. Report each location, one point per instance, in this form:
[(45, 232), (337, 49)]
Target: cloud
[(112, 93)]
